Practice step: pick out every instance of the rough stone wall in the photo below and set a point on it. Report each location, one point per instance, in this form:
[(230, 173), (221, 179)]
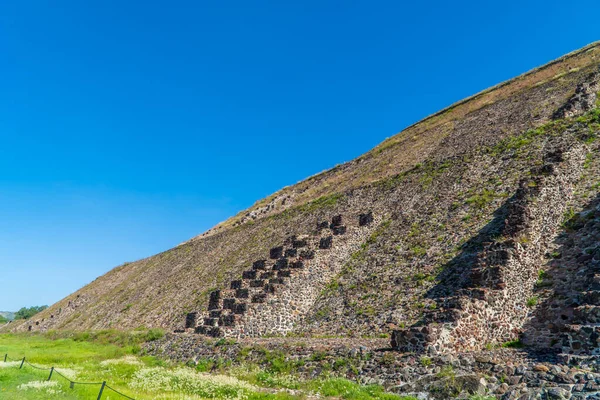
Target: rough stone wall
[(492, 308), (274, 296), (507, 374), (281, 314)]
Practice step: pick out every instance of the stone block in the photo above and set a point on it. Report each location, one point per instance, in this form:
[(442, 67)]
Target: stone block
[(215, 313), (237, 284), (214, 300), (297, 264), (227, 320), (211, 321), (291, 252), (242, 293), (365, 219), (326, 242), (191, 319), (259, 264), (284, 273), (229, 304), (276, 281), (202, 330), (336, 221), (276, 252), (322, 225), (339, 230), (257, 283), (282, 263), (240, 308), (249, 274)]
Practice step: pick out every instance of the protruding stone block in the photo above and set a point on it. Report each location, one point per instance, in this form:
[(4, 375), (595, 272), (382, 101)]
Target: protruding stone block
[(201, 330), (211, 321), (215, 313), (249, 274), (242, 293), (291, 252), (336, 221), (191, 319), (259, 264), (214, 301), (322, 225), (276, 281), (229, 304), (339, 230), (365, 219), (281, 264), (227, 320), (237, 284), (276, 252), (240, 308), (257, 283), (326, 242), (297, 264)]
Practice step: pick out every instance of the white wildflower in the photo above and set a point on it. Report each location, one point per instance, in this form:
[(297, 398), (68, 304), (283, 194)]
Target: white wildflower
[(129, 360), (186, 380)]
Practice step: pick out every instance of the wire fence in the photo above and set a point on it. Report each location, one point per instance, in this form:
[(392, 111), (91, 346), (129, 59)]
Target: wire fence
[(53, 372)]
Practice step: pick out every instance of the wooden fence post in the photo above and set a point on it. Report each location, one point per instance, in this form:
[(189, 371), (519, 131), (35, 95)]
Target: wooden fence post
[(51, 371), (101, 390), (22, 362)]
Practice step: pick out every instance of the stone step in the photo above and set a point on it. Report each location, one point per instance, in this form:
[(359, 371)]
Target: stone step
[(281, 263), (215, 300), (191, 320), (291, 252), (237, 284), (259, 265), (249, 274), (276, 252)]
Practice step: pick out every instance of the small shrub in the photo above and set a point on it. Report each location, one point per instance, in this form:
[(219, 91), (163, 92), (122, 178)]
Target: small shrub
[(532, 301)]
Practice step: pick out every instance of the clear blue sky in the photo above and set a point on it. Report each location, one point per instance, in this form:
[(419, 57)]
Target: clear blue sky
[(128, 127)]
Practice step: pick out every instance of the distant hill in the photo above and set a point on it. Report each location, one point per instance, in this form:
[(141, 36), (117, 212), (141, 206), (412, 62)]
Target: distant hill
[(8, 315)]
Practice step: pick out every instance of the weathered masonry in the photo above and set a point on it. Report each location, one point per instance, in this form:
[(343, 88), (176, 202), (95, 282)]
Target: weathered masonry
[(275, 293)]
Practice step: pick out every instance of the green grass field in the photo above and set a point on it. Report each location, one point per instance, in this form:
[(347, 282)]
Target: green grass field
[(113, 357)]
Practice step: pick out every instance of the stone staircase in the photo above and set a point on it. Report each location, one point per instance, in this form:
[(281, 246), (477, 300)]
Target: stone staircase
[(487, 303), (239, 311)]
